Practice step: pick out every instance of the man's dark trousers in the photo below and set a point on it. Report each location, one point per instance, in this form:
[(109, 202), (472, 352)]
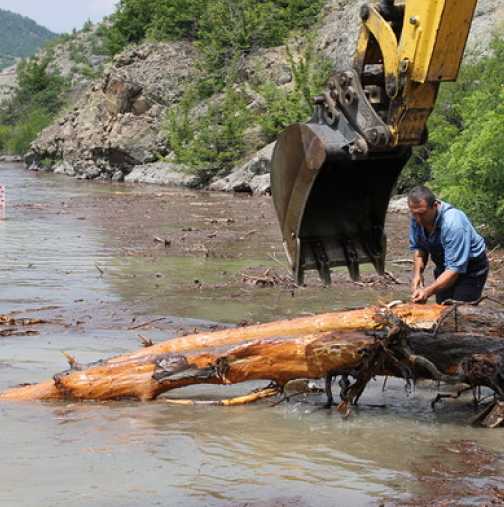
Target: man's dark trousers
[(469, 285)]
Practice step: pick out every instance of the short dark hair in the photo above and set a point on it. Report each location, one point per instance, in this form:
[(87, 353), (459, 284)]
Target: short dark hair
[(421, 193)]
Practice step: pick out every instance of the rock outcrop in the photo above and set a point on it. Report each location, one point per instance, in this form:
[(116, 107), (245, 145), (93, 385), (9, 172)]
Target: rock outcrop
[(116, 124)]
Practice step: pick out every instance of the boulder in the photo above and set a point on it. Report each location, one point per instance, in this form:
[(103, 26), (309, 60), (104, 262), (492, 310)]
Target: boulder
[(64, 167), (251, 177), (163, 173), (120, 94), (399, 204)]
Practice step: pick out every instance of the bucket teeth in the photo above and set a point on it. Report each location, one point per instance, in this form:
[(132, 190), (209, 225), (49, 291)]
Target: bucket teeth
[(322, 261), (352, 259)]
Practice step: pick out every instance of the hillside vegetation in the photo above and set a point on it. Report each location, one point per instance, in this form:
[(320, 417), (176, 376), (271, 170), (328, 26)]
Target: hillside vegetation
[(225, 33), (64, 64), (223, 30), (20, 37)]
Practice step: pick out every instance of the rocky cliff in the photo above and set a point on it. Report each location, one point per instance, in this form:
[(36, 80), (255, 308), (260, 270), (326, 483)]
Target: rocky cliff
[(116, 124), (114, 130)]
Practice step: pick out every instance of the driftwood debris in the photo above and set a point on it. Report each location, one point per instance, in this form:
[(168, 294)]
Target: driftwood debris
[(463, 345)]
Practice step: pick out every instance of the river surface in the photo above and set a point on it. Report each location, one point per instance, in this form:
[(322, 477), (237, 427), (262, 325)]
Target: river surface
[(61, 259)]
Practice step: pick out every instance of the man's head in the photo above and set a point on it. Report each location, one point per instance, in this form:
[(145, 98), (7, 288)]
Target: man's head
[(423, 205)]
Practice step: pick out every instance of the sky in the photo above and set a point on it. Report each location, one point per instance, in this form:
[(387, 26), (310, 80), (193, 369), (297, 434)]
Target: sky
[(61, 15)]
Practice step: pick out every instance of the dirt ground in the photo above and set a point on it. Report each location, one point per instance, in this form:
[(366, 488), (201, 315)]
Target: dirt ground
[(229, 226)]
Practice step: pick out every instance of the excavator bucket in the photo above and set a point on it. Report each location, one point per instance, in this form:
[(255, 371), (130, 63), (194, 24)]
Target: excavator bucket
[(331, 178), (331, 197)]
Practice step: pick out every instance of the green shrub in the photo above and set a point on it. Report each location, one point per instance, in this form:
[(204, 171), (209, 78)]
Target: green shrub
[(37, 88), (77, 52), (39, 97), (88, 26), (286, 106), (160, 19), (212, 141), (23, 133), (87, 71), (4, 137)]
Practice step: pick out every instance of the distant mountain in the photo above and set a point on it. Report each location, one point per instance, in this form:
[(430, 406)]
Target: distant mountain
[(20, 37)]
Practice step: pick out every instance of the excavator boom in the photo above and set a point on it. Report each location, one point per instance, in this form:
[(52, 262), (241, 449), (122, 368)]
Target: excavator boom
[(333, 176)]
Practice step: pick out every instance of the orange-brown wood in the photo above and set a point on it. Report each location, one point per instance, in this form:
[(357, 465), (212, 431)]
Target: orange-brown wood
[(308, 347), (417, 316)]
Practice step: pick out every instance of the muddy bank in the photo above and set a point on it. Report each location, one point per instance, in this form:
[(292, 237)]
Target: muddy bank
[(215, 225)]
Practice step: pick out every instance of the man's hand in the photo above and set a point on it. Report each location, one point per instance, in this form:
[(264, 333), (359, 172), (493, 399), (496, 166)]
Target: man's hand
[(420, 295), (417, 282), (446, 279)]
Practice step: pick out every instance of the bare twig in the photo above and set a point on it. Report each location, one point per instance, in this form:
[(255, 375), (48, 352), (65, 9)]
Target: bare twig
[(138, 326), (286, 268), (73, 363), (402, 261), (257, 395), (146, 342), (389, 275)]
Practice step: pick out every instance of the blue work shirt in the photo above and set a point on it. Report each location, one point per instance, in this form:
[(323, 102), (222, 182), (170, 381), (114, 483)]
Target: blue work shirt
[(452, 243)]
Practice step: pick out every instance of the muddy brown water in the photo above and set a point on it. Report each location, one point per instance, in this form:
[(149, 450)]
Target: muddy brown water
[(87, 257)]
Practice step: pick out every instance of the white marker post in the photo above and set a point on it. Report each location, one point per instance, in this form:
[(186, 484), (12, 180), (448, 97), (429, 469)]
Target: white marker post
[(2, 202)]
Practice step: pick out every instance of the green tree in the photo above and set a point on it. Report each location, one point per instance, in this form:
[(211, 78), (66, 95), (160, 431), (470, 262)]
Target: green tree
[(39, 97), (467, 154), (24, 132), (470, 173)]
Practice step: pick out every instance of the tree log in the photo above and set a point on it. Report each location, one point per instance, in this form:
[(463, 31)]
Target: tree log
[(409, 341)]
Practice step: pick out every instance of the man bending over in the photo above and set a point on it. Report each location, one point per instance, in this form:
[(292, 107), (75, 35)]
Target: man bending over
[(445, 234)]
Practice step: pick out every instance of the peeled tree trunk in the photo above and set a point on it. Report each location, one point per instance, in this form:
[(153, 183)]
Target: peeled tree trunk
[(451, 344)]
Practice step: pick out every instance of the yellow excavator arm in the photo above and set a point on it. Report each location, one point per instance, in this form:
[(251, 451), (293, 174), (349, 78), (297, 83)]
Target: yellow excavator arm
[(332, 177)]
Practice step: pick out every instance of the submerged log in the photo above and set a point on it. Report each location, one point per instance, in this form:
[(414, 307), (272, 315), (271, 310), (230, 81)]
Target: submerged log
[(409, 341)]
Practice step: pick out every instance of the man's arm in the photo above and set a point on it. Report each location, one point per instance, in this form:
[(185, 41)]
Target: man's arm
[(446, 279), (420, 259)]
